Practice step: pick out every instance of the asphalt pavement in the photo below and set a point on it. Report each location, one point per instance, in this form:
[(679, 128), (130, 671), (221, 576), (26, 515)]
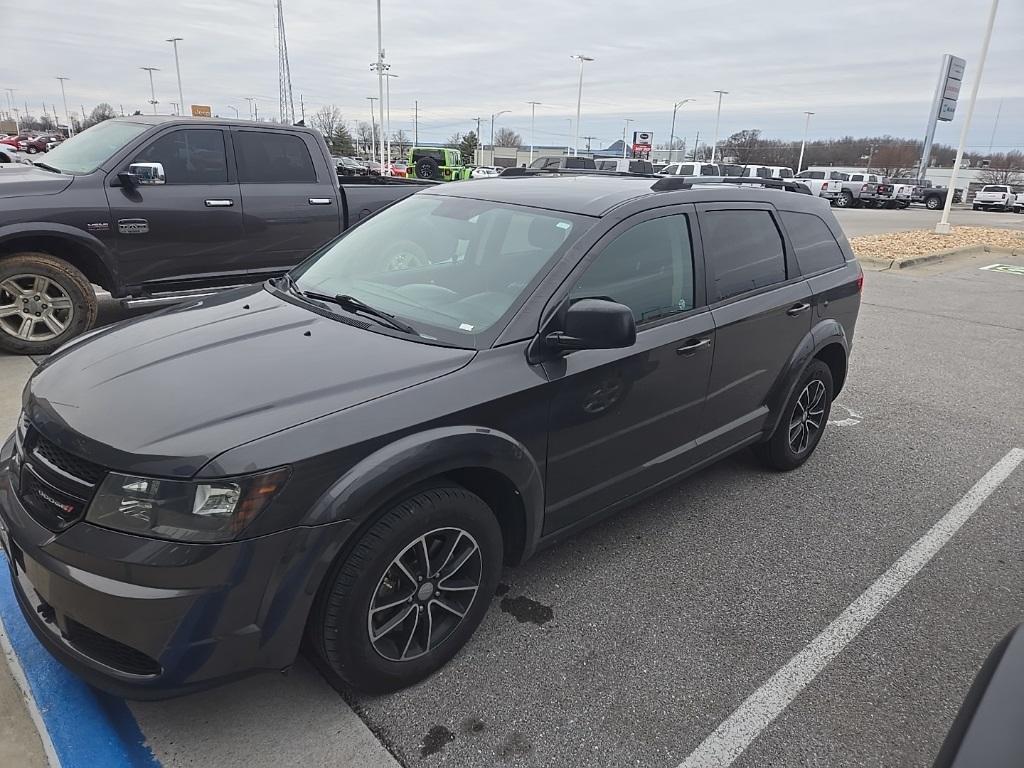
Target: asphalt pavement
[(872, 221)]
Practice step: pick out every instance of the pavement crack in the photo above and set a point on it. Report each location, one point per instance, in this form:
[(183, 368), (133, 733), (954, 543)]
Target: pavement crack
[(959, 319)]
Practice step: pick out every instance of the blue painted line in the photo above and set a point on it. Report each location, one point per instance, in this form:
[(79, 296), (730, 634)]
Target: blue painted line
[(88, 728)]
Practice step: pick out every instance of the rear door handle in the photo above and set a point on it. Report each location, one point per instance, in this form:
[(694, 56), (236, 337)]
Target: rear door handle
[(320, 201), (219, 203), (692, 346), (798, 309)]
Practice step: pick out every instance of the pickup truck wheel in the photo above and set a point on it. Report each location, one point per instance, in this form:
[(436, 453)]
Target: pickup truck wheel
[(845, 199), (44, 301), (410, 593), (803, 421), (932, 203)]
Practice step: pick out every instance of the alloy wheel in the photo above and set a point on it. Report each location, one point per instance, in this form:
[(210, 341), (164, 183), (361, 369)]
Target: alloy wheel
[(34, 308), (808, 416), (424, 594)]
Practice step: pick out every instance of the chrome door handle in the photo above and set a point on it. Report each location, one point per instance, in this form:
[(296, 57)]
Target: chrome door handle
[(219, 203), (797, 309), (320, 201), (692, 346)]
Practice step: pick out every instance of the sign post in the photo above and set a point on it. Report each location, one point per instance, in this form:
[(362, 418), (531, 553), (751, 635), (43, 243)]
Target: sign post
[(947, 91), (642, 143)]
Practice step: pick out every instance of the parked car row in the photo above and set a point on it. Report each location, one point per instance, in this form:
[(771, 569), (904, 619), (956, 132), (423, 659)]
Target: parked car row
[(32, 144), (999, 197)]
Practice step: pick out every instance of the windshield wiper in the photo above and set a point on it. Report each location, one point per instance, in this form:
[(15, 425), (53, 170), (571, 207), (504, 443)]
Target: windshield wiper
[(46, 167), (356, 306)]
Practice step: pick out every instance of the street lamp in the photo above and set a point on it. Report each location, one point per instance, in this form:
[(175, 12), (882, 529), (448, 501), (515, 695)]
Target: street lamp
[(373, 129), (672, 133), (251, 100), (232, 106), (174, 41), (807, 123), (152, 92), (67, 114), (387, 96), (625, 130), (533, 114), (380, 82), (579, 98), (718, 115), (494, 115), (568, 149), (174, 106)]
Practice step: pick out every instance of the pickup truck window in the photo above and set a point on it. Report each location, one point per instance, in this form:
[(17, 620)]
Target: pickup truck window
[(995, 188), (857, 177), (189, 156), (85, 152), (449, 266), (265, 157), (811, 175)]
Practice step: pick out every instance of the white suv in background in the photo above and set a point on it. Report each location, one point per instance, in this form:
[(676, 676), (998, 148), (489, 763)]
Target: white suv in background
[(691, 169), (624, 164)]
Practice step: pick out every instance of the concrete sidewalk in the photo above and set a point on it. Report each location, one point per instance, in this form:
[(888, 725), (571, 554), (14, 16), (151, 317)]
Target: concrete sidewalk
[(19, 740)]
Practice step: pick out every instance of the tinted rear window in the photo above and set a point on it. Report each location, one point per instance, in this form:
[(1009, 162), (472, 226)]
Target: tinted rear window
[(993, 188), (265, 157), (744, 250), (814, 245)]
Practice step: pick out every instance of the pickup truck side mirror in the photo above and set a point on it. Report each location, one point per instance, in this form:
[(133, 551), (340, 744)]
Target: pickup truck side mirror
[(143, 174), (595, 324)]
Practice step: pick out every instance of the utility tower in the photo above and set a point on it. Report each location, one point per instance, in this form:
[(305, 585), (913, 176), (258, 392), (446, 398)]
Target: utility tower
[(286, 106)]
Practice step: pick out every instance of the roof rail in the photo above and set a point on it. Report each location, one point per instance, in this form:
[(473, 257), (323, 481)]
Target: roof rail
[(670, 183), (516, 171)]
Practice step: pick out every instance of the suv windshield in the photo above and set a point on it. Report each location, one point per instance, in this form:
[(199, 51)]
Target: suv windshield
[(449, 266), (85, 152)]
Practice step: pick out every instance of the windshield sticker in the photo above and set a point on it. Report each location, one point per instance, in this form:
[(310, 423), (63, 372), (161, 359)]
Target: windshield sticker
[(465, 327)]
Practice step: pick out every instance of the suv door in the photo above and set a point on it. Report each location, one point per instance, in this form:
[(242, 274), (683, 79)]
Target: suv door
[(623, 420), (761, 308), (290, 211), (188, 227)]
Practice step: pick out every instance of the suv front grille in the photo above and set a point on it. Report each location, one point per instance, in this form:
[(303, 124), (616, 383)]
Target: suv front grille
[(83, 470), (108, 651)]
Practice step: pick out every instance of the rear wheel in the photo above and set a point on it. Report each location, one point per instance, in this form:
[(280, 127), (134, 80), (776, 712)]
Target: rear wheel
[(803, 420), (410, 593), (845, 199), (44, 301)]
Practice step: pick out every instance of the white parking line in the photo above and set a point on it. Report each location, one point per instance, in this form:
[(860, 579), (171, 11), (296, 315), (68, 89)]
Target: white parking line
[(735, 734)]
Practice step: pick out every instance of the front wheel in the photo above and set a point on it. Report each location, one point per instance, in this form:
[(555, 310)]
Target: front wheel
[(803, 420), (410, 593), (44, 302)]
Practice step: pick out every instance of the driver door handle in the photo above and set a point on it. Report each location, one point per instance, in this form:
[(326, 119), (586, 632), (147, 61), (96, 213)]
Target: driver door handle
[(693, 345), (798, 309), (219, 203)]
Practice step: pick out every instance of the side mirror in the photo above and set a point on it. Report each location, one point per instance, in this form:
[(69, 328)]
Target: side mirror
[(595, 324), (143, 174)]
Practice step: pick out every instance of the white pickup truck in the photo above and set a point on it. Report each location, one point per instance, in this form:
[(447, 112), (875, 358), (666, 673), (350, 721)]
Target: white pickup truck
[(1018, 202), (827, 184), (994, 197)]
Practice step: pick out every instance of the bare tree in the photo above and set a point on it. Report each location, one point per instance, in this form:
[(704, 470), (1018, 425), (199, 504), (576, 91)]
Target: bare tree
[(326, 120), (454, 141), (401, 141), (506, 137), (1004, 169), (364, 136), (895, 160), (101, 112)]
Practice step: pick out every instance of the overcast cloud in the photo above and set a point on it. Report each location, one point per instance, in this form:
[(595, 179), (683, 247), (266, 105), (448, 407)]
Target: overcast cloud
[(867, 68)]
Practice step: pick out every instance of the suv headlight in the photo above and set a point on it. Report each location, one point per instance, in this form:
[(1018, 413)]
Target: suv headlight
[(217, 510)]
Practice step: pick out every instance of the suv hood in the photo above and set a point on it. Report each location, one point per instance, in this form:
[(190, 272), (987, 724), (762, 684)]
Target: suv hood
[(20, 180), (165, 394)]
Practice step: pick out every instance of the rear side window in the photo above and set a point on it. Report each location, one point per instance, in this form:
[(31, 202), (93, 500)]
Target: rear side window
[(686, 170), (743, 249), (857, 177), (640, 166), (649, 268), (264, 158), (191, 156), (814, 244), (709, 170)]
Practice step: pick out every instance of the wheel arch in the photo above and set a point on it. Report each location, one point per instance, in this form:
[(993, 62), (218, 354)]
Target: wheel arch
[(80, 249), (487, 462)]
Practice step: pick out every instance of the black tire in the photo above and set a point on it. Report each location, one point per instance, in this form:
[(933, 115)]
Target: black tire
[(845, 199), (779, 452), (903, 206), (427, 168), (31, 150), (340, 622), (21, 269), (932, 203)]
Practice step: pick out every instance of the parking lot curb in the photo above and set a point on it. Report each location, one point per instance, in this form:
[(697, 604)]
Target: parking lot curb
[(938, 256), (80, 727)]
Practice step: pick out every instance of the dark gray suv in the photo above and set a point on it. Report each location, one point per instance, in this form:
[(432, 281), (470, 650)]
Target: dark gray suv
[(350, 453)]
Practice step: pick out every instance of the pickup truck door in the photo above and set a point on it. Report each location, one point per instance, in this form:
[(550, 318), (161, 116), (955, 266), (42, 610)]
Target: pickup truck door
[(188, 227), (290, 197)]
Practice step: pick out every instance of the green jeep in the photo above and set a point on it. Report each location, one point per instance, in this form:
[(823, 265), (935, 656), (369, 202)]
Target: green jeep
[(437, 164)]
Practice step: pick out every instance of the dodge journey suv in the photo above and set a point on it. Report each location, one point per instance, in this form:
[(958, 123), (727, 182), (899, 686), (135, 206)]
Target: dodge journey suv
[(347, 455)]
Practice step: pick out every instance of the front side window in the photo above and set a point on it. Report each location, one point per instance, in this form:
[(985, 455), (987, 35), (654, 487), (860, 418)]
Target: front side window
[(686, 170), (814, 245), (785, 173), (671, 169), (266, 157), (649, 268), (709, 170), (743, 250), (449, 266), (189, 156)]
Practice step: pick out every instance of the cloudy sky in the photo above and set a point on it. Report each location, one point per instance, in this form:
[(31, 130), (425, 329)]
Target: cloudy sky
[(866, 67)]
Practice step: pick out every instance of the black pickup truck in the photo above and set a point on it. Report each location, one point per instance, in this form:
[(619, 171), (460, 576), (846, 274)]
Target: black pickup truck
[(156, 210)]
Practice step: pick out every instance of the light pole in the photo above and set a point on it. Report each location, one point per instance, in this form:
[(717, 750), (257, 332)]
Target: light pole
[(373, 129), (380, 82), (250, 99), (568, 149), (942, 227), (579, 98), (672, 133), (67, 114), (718, 115), (387, 95), (152, 91), (174, 106), (10, 108), (174, 41), (625, 130), (533, 114), (232, 106), (494, 115), (807, 123)]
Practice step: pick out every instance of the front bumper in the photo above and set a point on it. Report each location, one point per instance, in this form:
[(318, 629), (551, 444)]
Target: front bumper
[(146, 619)]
